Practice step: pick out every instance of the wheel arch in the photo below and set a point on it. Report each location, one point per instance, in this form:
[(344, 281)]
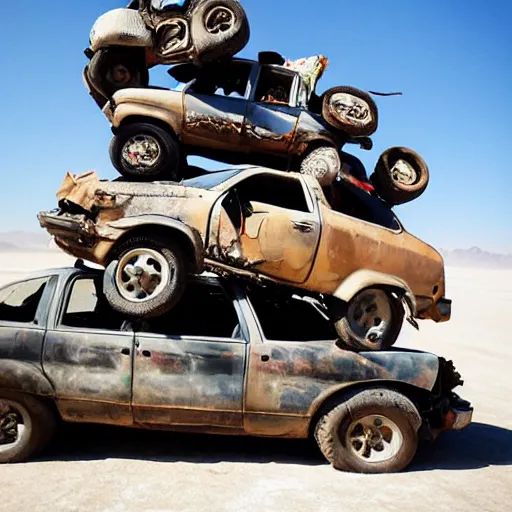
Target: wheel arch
[(364, 279), (131, 113), (187, 237), (415, 394), (23, 377)]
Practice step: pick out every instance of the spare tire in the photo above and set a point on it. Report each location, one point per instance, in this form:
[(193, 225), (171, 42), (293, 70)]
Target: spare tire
[(400, 176), (219, 28), (351, 110), (112, 69)]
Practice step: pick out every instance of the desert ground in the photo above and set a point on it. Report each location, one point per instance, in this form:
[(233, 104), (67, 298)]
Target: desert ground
[(104, 469)]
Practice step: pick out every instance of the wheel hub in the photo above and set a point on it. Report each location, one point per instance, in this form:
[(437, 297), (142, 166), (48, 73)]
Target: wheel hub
[(351, 109), (9, 423), (121, 75), (219, 19), (374, 438), (370, 315), (142, 274), (141, 151), (404, 173)]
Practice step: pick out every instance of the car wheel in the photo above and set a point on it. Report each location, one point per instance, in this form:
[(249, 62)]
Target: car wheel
[(350, 110), (113, 69), (372, 321), (26, 426), (220, 29), (144, 151), (146, 277), (322, 163), (400, 176), (372, 431)]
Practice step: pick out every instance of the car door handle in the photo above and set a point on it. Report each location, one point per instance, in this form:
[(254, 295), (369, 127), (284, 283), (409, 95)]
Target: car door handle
[(146, 353), (125, 351), (303, 226)]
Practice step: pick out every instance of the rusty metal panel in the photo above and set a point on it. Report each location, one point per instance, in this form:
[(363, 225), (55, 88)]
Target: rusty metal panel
[(270, 128), (293, 379), (215, 121), (192, 381), (348, 244), (88, 367)]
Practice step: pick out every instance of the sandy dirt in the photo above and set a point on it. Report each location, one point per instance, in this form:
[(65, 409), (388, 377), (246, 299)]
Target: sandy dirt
[(110, 469)]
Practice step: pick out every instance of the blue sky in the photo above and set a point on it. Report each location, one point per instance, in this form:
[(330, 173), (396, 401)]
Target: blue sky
[(452, 59)]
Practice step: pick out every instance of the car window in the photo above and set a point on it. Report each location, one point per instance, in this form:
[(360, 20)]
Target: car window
[(282, 191), (204, 311), (351, 200), (224, 80), (274, 86), (211, 180), (87, 308), (19, 301), (284, 318)]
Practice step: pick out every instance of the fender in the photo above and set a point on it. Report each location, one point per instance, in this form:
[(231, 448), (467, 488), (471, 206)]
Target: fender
[(120, 27), (193, 236), (362, 279), (165, 106), (24, 377)]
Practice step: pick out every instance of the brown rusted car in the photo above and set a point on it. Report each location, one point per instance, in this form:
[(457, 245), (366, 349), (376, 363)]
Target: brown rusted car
[(354, 257), (248, 367)]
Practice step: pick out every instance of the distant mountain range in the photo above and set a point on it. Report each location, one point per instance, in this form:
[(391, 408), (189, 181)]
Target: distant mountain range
[(476, 257), (18, 241)]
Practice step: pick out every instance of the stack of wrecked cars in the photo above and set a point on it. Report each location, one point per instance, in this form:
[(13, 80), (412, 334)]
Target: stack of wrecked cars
[(264, 299)]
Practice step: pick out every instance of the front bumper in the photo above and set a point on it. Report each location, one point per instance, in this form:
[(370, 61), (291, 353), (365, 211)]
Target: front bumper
[(441, 311), (458, 415)]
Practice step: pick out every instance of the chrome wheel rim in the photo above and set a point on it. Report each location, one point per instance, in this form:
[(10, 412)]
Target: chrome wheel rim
[(142, 274), (219, 20), (404, 173), (351, 109), (14, 425), (141, 152), (370, 315), (374, 438)]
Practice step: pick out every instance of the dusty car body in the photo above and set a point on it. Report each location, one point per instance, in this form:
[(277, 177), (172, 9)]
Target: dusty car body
[(64, 352), (125, 43), (262, 224), (238, 111)]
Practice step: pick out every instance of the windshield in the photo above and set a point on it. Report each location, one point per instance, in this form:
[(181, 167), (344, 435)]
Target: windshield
[(162, 5), (211, 180)]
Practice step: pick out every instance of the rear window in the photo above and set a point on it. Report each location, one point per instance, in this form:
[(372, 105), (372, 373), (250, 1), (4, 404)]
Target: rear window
[(19, 301)]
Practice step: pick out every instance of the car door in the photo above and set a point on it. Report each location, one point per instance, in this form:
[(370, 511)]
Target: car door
[(88, 358), (215, 107), (190, 363), (273, 113), (268, 223)]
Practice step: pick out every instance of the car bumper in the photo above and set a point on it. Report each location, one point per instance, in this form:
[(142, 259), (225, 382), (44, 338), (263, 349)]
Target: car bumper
[(68, 229), (458, 415), (441, 311)]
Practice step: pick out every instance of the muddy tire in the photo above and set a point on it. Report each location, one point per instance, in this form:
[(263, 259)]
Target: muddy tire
[(26, 426), (371, 431), (322, 163), (371, 321), (350, 110), (400, 176), (219, 28), (146, 152), (113, 69), (146, 277)]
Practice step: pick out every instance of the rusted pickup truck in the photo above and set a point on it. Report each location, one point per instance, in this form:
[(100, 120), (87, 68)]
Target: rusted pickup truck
[(233, 369)]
